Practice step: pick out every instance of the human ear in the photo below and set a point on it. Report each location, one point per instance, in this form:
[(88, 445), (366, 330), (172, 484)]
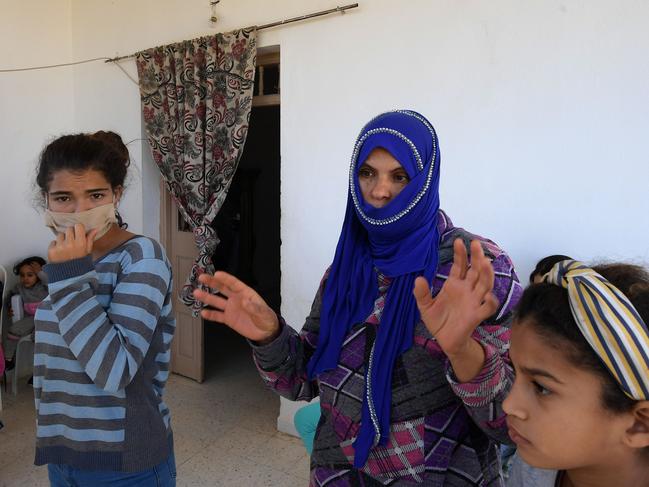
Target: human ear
[(637, 435), (117, 194)]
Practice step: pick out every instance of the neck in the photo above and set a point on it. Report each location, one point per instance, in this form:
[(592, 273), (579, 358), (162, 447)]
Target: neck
[(631, 474), (111, 239)]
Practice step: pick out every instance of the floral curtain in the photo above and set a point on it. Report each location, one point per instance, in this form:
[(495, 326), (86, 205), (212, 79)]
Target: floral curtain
[(196, 99)]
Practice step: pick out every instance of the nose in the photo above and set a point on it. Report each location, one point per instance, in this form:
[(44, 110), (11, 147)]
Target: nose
[(83, 205), (382, 189), (512, 405)]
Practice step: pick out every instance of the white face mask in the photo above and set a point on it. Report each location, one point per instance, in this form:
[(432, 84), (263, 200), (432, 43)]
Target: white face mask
[(102, 218)]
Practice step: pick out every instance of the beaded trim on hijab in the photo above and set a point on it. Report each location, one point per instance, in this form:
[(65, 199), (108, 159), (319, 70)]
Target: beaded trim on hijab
[(429, 176)]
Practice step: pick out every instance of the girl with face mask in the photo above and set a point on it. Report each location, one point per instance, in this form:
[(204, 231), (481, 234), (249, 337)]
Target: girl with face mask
[(103, 334)]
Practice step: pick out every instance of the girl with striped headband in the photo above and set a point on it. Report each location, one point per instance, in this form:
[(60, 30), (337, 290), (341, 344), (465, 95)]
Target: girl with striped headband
[(410, 387), (579, 408)]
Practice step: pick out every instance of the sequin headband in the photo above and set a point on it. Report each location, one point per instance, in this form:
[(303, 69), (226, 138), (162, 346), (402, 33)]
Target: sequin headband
[(610, 324)]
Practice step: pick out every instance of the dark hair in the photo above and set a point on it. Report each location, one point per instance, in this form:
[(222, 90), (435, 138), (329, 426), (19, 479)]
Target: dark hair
[(102, 151), (546, 307), (544, 265), (28, 261)]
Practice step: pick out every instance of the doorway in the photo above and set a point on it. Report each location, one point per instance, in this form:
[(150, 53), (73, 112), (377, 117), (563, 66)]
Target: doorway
[(248, 226)]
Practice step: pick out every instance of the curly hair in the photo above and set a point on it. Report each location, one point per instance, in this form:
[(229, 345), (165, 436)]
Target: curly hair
[(102, 151)]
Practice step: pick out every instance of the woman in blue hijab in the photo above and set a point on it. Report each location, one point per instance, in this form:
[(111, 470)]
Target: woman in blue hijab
[(406, 342)]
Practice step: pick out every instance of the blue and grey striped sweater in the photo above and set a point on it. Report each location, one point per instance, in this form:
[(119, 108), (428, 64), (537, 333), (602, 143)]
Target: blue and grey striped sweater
[(103, 344)]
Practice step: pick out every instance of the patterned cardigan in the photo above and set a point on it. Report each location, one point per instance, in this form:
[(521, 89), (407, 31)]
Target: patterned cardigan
[(442, 432)]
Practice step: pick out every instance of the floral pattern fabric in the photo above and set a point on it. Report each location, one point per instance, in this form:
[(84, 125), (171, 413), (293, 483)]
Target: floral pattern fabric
[(196, 98)]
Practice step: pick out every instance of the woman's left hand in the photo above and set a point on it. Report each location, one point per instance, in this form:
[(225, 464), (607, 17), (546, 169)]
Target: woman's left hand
[(465, 301), (73, 244)]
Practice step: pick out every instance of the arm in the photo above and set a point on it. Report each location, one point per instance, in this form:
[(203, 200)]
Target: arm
[(42, 276), (110, 344), (484, 394), (470, 319), (281, 355), (283, 362)]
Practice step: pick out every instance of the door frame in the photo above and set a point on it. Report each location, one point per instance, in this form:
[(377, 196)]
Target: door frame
[(196, 372), (265, 56)]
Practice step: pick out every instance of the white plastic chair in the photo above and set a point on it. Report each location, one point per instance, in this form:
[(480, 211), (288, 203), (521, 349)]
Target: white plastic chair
[(24, 342), (3, 279)]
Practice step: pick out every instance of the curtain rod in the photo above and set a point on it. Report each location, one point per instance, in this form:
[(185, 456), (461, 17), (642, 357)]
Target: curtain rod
[(271, 24)]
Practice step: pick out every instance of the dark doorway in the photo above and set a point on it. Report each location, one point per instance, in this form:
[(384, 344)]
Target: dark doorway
[(249, 228)]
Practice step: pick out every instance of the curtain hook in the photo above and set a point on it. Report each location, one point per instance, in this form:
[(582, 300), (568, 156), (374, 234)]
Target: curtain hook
[(213, 4)]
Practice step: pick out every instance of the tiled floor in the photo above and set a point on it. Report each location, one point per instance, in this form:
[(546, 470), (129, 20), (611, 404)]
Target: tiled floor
[(224, 429)]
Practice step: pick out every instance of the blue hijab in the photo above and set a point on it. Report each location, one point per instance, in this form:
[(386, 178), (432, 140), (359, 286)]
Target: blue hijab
[(401, 241)]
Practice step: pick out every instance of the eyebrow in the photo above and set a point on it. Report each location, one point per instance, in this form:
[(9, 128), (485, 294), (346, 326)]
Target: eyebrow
[(393, 170), (95, 190), (539, 372)]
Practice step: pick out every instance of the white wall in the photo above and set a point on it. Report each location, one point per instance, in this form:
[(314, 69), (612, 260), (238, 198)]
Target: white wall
[(34, 107), (540, 107)]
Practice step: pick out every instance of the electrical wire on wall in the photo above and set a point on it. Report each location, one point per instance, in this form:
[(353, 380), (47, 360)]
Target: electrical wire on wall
[(115, 60), (50, 66)]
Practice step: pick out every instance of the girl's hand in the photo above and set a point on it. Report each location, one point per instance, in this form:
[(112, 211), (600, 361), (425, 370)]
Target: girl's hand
[(36, 267), (463, 303), (73, 244), (238, 306)]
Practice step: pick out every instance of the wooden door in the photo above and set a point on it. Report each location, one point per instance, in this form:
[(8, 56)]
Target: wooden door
[(187, 350)]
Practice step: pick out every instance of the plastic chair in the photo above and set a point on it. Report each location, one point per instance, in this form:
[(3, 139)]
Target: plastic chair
[(27, 341), (3, 283)]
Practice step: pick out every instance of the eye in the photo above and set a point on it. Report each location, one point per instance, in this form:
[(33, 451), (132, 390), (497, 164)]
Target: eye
[(61, 199), (365, 172), (401, 178), (97, 196), (540, 390)]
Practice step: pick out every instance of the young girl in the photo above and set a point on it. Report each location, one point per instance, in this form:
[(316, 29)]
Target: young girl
[(543, 266), (103, 334), (32, 289), (579, 407)]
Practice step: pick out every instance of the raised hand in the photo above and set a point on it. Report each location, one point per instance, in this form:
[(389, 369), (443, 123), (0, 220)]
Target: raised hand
[(465, 300), (73, 244), (238, 306)]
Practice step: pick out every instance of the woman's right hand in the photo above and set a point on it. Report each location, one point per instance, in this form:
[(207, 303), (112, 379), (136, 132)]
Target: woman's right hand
[(238, 306)]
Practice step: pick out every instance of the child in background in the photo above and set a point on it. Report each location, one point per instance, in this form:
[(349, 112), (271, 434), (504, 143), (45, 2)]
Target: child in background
[(32, 289), (579, 407)]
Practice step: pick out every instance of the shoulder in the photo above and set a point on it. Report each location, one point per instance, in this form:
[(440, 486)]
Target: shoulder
[(137, 255), (523, 475), (141, 248), (491, 248)]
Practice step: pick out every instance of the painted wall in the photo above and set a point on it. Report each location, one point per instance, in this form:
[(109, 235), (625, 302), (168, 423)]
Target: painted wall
[(540, 107), (34, 106)]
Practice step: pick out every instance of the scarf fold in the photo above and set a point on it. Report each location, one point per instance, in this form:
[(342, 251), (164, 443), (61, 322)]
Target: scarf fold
[(609, 322), (401, 241)]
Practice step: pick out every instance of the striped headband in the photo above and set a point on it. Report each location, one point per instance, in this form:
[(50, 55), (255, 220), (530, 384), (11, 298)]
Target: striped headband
[(610, 324)]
